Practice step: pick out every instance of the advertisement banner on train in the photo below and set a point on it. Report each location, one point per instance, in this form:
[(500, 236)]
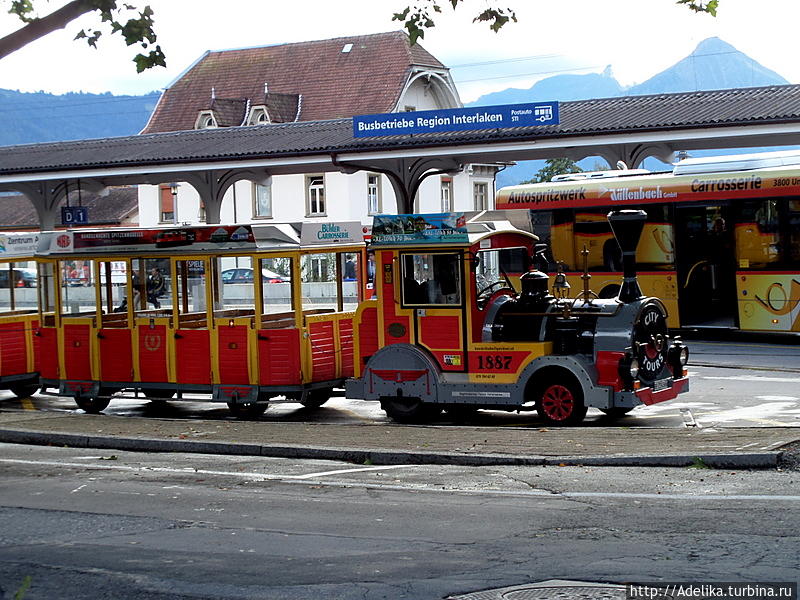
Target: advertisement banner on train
[(419, 229), (18, 244), (123, 240), (649, 189)]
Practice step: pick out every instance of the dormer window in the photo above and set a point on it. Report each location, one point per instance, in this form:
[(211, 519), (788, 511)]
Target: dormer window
[(206, 120), (258, 116)]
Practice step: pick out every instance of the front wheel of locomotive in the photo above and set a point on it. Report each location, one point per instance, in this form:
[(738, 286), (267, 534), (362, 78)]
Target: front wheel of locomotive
[(409, 410), (560, 403)]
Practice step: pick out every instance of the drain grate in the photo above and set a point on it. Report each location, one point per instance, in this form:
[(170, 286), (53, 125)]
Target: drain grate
[(550, 590)]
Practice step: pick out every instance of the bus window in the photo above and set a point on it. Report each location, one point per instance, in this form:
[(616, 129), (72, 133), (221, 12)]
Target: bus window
[(76, 297), (234, 283), (756, 234), (351, 270), (431, 279), (276, 285), (793, 236), (46, 288), (318, 281), (496, 268), (562, 243), (191, 282)]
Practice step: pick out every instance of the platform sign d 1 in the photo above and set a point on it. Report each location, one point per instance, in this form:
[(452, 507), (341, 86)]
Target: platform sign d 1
[(457, 119), (74, 215)]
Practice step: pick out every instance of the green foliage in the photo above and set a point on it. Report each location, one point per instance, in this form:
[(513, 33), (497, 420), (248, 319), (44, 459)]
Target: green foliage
[(418, 17), (23, 589), (708, 6), (554, 166), (698, 463), (133, 25)]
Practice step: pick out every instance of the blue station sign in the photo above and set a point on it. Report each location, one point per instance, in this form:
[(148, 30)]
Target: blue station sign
[(456, 119)]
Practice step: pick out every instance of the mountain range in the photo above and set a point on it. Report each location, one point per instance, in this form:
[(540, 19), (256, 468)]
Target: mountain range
[(714, 64)]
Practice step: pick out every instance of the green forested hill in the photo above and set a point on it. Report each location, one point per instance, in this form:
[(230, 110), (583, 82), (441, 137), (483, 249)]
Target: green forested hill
[(42, 117)]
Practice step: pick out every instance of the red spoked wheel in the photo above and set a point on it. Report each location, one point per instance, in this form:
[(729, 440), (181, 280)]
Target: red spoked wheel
[(561, 404)]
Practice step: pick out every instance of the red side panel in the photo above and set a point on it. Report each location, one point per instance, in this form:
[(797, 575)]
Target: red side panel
[(36, 354), (440, 332), (116, 363), (153, 353), (77, 352), (608, 369), (368, 333), (397, 327), (279, 357), (346, 347), (323, 351), (233, 355), (47, 353), (13, 353), (193, 358), (442, 335)]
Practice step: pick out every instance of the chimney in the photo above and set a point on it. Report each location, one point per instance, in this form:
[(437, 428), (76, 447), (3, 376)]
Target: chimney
[(627, 226)]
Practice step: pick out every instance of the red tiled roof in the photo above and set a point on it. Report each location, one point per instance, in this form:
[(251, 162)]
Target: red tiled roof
[(17, 212), (333, 84)]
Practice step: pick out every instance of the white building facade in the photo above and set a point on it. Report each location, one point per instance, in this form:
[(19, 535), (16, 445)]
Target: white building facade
[(422, 84)]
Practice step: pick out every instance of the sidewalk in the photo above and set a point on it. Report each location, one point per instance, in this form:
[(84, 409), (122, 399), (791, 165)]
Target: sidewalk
[(751, 447)]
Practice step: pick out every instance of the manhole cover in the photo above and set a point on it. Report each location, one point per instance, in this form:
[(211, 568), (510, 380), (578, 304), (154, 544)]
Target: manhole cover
[(563, 590)]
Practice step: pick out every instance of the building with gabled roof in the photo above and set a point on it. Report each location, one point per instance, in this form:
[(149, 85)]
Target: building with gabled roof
[(309, 81)]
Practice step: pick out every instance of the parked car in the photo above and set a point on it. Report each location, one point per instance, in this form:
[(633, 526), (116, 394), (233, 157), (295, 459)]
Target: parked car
[(23, 277), (246, 276)]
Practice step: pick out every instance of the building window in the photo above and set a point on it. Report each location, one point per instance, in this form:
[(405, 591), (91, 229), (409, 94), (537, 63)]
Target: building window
[(315, 191), (167, 195), (205, 120), (262, 201), (409, 108), (447, 194), (480, 193), (373, 194)]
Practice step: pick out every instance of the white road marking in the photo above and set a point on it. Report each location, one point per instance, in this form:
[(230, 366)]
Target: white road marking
[(303, 479), (754, 378), (192, 471), (77, 489)]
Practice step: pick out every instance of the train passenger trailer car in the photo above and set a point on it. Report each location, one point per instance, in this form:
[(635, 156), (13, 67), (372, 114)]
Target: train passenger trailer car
[(462, 321), (176, 326), (19, 316)]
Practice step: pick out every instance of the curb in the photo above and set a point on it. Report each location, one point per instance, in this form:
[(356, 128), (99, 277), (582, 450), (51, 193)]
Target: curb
[(753, 460)]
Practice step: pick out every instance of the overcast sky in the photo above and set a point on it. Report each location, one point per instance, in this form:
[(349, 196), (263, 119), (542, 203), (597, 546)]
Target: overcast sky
[(637, 38)]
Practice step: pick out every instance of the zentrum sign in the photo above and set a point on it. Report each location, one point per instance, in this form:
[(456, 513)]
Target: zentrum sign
[(456, 119)]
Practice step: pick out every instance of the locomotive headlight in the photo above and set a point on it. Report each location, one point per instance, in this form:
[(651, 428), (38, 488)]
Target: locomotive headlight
[(678, 356), (634, 368)]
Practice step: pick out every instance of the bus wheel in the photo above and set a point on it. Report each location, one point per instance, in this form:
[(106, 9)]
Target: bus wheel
[(616, 412), (409, 410), (316, 398), (252, 410), (92, 404), (560, 403), (24, 390)]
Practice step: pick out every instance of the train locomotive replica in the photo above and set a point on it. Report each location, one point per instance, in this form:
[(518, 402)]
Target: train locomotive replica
[(463, 321), (458, 319)]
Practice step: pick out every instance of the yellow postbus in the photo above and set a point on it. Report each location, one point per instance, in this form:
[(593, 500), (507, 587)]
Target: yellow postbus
[(721, 246)]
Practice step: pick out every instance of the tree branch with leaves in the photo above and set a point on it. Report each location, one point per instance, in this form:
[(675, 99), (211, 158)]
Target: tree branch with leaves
[(135, 26), (418, 18)]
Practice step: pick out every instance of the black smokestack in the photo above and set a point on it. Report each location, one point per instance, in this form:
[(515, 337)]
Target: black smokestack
[(627, 226)]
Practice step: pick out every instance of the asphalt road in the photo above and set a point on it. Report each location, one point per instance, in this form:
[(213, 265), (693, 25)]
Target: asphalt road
[(88, 524)]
